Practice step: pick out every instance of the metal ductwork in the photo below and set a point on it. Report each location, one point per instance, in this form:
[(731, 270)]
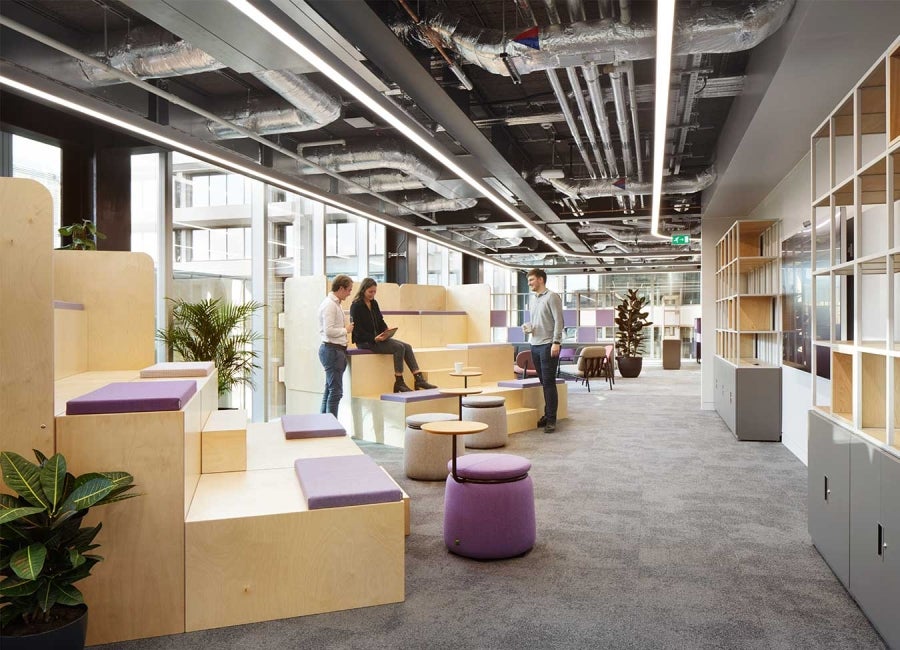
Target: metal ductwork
[(589, 189), (430, 202), (151, 54), (384, 181), (707, 29), (313, 107), (627, 235), (367, 155)]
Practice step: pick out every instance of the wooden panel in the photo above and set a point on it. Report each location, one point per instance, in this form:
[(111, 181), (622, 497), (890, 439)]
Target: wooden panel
[(874, 396), (475, 300), (494, 361), (26, 294), (894, 88), (756, 313), (117, 291), (224, 442), (388, 297), (70, 342), (138, 591), (302, 297), (424, 297), (256, 567), (842, 385)]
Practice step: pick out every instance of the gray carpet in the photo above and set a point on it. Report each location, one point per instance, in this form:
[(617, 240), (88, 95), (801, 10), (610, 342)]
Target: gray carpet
[(656, 529)]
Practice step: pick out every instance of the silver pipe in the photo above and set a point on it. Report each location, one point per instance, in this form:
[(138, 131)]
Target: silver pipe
[(576, 11), (632, 102), (615, 79), (588, 189), (690, 95), (625, 12), (570, 120), (592, 78), (586, 120)]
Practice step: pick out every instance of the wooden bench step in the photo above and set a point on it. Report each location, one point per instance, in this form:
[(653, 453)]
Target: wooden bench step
[(223, 442), (521, 419)]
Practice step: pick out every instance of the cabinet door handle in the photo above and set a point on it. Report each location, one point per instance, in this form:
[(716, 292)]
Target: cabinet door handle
[(827, 489), (881, 544)]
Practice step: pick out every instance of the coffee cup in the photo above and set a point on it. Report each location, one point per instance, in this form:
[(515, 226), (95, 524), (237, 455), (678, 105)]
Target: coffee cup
[(458, 366)]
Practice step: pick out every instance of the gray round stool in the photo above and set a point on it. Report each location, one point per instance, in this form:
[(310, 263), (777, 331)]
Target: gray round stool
[(425, 455), (490, 409)]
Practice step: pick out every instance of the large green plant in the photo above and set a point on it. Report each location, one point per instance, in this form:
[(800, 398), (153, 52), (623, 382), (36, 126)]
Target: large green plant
[(83, 235), (212, 330), (631, 321), (45, 549)]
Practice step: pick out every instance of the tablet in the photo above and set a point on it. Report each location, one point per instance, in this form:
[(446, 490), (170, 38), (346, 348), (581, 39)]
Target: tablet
[(388, 333)]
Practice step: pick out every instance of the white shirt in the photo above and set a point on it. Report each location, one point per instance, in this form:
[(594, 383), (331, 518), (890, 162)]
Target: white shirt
[(331, 321)]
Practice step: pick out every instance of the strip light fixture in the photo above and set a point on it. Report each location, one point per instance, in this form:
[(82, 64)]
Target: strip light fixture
[(227, 164), (278, 32), (665, 27)]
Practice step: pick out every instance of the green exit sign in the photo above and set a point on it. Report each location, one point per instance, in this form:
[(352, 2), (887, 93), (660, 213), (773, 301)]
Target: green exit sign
[(681, 240)]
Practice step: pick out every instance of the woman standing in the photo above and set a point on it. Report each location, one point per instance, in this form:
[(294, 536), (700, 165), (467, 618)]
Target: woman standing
[(368, 334)]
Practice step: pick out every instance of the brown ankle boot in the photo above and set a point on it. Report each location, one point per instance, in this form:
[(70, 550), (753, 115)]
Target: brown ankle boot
[(421, 383)]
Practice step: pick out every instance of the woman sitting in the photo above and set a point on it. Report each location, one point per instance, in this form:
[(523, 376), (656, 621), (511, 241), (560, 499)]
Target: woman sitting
[(369, 334)]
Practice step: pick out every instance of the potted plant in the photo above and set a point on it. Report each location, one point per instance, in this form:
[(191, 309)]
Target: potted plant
[(83, 236), (631, 321), (46, 550), (212, 330)]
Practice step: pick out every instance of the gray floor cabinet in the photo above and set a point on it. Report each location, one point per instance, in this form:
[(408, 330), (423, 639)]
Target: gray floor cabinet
[(748, 399), (854, 519)]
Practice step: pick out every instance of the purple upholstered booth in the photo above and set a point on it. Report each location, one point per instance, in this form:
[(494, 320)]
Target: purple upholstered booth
[(134, 397), (336, 481), (490, 520), (311, 425)]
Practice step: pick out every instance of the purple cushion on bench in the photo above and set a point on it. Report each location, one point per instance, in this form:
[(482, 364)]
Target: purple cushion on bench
[(134, 397), (313, 425), (336, 481), (355, 351), (413, 396), (524, 383)]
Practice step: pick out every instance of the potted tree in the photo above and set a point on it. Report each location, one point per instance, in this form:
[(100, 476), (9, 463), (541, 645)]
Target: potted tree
[(83, 236), (212, 330), (631, 321), (46, 550)]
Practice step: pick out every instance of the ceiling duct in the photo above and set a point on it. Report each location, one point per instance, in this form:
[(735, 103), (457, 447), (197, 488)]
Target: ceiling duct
[(589, 189), (707, 29), (366, 154), (373, 181), (430, 202)]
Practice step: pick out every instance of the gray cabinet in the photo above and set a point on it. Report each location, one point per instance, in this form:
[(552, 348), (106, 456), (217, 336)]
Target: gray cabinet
[(748, 399), (888, 619), (829, 493), (865, 519)]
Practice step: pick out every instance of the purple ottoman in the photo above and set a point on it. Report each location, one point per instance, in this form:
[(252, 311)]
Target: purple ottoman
[(491, 517)]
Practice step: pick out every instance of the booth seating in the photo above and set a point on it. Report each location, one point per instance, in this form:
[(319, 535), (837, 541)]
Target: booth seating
[(489, 514), (490, 409), (339, 481), (425, 456)]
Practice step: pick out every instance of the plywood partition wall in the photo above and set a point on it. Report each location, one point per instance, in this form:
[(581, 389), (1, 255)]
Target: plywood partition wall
[(117, 291), (302, 297), (421, 297), (475, 300), (26, 290), (388, 297)]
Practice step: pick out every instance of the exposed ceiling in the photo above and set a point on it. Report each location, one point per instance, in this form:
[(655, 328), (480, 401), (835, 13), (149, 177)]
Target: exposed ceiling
[(577, 185)]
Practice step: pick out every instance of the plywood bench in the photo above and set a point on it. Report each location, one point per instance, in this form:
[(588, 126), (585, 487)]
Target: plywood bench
[(223, 442)]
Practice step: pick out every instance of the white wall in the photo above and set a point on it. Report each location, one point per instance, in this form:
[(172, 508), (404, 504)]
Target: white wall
[(713, 229), (790, 202)]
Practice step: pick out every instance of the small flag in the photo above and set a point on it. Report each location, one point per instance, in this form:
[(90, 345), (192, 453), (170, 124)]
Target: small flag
[(620, 183), (529, 38)]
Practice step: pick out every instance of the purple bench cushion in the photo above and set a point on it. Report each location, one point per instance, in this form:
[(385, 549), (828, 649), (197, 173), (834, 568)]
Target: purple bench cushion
[(413, 396), (524, 383), (352, 352), (134, 397), (337, 481), (313, 425), (491, 466)]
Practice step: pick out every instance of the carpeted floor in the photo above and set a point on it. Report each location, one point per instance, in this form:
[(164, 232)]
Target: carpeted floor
[(656, 529)]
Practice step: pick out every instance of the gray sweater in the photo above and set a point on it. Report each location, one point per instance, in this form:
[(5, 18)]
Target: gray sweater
[(546, 318)]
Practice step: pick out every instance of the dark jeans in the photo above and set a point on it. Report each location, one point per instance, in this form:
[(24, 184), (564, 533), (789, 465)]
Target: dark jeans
[(401, 351), (334, 360), (546, 366)]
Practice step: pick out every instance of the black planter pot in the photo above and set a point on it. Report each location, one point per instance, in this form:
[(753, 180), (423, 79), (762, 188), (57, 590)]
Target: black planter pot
[(70, 636), (630, 366)]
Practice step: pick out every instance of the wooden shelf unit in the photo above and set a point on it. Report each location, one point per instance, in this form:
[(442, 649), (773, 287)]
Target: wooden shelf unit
[(748, 337), (854, 435)]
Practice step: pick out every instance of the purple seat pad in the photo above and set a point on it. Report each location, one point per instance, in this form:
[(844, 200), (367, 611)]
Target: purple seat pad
[(491, 466), (355, 351), (414, 396), (337, 481), (524, 383), (134, 397), (312, 425)]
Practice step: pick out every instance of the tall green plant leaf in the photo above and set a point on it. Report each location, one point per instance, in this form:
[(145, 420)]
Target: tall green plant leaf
[(87, 494), (12, 514), (14, 586), (68, 595), (53, 479), (27, 563), (23, 477)]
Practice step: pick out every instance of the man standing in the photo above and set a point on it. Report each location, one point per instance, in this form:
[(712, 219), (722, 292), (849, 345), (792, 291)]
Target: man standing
[(546, 330), (333, 331)]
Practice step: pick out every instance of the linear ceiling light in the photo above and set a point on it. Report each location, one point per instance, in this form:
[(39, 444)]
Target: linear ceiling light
[(665, 26), (228, 164), (376, 107)]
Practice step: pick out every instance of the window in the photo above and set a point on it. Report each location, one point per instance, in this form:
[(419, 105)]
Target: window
[(42, 163)]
